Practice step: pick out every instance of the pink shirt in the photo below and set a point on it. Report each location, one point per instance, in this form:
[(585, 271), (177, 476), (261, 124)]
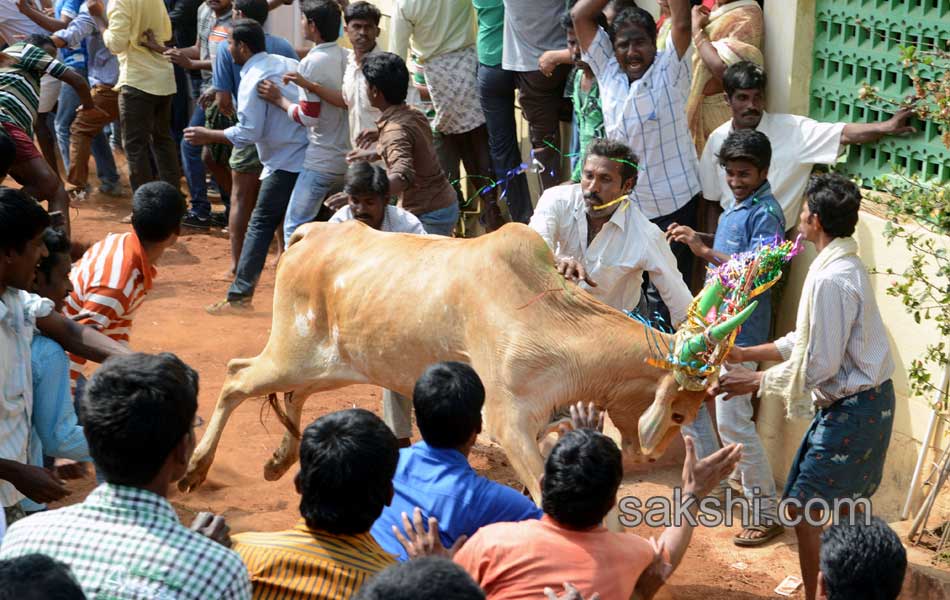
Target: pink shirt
[(516, 561)]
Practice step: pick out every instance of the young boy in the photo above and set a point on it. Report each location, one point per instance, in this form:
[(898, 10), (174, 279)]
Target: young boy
[(55, 428), (111, 279), (325, 161), (588, 116), (755, 219)]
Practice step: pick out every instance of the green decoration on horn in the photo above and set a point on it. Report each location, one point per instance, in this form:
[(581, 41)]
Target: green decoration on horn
[(717, 333), (712, 296)]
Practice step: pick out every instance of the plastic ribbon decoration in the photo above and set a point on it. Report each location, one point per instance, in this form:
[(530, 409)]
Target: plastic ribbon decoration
[(716, 315)]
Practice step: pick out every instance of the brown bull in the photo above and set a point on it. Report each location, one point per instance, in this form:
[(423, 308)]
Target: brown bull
[(354, 305)]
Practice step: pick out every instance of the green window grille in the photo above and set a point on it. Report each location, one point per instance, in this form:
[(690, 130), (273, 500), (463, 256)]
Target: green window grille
[(857, 42)]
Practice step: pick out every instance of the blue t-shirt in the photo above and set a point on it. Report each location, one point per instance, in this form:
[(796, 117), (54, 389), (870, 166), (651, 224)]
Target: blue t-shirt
[(442, 483), (75, 59), (747, 225), (226, 74)]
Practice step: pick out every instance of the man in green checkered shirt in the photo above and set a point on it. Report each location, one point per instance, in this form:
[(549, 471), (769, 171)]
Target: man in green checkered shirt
[(125, 541), (22, 65)]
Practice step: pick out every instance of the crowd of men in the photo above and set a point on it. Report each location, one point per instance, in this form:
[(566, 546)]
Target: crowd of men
[(667, 178)]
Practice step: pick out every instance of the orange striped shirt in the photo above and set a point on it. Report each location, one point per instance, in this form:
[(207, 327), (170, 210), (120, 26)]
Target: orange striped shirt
[(109, 283), (309, 563)]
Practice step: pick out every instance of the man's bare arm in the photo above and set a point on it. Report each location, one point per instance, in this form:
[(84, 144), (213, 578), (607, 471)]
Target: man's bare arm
[(585, 14), (80, 339)]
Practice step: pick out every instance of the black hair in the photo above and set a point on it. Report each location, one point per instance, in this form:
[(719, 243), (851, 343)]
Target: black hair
[(325, 16), (448, 400), (251, 33), (362, 11), (365, 179), (7, 152), (616, 151), (57, 243), (425, 578), (748, 145), (157, 209), (40, 41), (581, 478), (388, 73), (836, 200), (864, 560), (21, 219), (135, 410), (37, 577), (347, 462), (744, 75), (253, 9), (633, 16)]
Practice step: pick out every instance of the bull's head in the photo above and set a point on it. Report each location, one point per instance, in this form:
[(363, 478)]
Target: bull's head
[(694, 364)]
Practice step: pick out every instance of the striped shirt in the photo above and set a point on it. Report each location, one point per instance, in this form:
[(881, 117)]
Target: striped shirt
[(649, 115), (110, 281), (20, 83), (848, 351), (308, 563), (127, 543)]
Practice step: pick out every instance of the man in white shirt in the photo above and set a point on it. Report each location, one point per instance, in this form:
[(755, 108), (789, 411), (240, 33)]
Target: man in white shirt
[(366, 187), (798, 143), (602, 240)]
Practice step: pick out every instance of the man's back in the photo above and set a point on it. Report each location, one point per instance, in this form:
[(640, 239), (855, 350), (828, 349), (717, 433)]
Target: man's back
[(140, 67), (110, 281), (302, 562), (125, 542), (442, 483), (516, 561)]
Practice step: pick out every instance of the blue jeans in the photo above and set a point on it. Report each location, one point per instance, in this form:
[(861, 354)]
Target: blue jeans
[(307, 198), (441, 221), (101, 152), (496, 92), (194, 168), (266, 218)]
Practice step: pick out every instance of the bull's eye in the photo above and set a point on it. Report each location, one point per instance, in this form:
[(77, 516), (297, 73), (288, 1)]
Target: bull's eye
[(678, 418)]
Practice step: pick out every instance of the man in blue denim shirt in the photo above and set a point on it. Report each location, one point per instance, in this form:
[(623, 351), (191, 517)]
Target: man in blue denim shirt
[(754, 220), (434, 474)]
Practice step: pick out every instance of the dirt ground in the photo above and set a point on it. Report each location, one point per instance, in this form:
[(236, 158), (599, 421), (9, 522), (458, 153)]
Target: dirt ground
[(194, 273)]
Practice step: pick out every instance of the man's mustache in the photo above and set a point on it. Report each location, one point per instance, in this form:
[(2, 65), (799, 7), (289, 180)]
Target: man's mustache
[(593, 196)]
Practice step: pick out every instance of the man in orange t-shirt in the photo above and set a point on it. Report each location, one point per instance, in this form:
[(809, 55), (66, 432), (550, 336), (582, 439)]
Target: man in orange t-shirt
[(518, 561)]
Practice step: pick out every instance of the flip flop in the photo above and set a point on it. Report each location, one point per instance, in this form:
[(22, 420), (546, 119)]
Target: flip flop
[(768, 533)]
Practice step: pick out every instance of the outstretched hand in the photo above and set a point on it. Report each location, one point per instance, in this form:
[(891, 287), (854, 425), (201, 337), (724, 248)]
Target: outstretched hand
[(701, 476), (899, 124), (573, 270), (419, 542), (570, 593), (212, 527)]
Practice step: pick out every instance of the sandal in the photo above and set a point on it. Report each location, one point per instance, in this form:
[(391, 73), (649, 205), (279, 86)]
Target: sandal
[(768, 532)]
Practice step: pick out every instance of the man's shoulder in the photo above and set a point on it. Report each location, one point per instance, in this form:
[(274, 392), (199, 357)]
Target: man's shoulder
[(40, 532), (562, 196), (718, 136)]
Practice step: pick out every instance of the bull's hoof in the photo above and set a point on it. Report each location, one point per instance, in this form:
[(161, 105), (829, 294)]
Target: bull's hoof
[(275, 468), (193, 478)]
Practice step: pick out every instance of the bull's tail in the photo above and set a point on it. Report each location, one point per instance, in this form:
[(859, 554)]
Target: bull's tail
[(281, 415)]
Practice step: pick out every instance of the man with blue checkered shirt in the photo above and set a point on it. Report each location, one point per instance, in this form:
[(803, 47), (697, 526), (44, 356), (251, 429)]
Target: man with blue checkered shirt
[(125, 540), (643, 95)]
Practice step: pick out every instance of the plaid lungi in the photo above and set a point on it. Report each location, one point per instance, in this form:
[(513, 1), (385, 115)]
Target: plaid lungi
[(453, 85)]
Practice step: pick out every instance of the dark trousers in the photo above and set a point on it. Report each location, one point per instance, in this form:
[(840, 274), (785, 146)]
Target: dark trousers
[(145, 129), (544, 106), (469, 148), (685, 215), (496, 92), (266, 219)]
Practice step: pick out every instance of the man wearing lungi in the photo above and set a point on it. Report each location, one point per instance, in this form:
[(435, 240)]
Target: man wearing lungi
[(837, 364)]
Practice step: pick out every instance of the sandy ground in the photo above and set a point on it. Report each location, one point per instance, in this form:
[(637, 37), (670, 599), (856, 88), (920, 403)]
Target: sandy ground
[(194, 273)]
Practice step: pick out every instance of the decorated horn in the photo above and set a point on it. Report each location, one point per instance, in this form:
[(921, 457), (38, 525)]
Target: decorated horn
[(717, 333), (711, 296)]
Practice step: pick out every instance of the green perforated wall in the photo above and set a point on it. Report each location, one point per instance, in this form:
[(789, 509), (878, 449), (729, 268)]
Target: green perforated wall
[(848, 54)]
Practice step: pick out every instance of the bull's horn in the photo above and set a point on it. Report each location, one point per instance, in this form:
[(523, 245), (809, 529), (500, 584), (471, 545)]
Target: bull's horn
[(697, 343), (711, 296)]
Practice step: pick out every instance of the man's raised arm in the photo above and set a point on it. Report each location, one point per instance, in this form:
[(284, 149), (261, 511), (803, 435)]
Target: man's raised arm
[(681, 19), (585, 14)]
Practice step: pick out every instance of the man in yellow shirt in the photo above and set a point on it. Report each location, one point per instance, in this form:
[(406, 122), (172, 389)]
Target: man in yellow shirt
[(347, 462), (137, 30)]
